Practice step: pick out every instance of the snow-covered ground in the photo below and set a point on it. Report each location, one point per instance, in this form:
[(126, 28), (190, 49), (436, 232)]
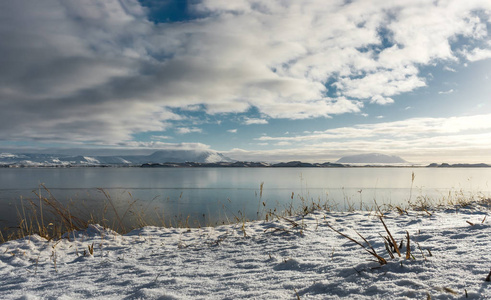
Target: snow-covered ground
[(260, 260)]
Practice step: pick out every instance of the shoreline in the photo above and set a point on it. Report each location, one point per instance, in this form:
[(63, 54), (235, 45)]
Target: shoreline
[(246, 165)]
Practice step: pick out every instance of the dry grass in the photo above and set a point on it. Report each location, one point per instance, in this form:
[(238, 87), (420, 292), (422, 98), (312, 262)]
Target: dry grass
[(390, 244), (367, 248), (49, 218), (91, 249)]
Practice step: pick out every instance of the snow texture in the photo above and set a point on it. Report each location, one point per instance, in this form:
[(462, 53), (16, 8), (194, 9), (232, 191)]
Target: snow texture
[(278, 259)]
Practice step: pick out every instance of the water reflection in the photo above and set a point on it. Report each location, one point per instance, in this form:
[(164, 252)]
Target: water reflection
[(214, 195)]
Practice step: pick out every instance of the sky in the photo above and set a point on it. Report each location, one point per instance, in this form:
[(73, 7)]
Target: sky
[(274, 80)]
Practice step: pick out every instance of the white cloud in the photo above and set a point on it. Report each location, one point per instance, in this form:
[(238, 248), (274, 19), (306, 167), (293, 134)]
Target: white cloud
[(450, 91), (447, 68), (251, 121), (477, 54), (100, 71), (133, 145), (161, 137), (381, 100), (185, 130), (192, 108), (383, 82), (283, 144), (232, 130)]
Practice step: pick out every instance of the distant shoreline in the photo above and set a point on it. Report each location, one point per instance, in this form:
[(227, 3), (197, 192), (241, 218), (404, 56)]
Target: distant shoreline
[(292, 164)]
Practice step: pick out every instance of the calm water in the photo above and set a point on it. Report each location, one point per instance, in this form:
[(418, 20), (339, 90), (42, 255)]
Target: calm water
[(211, 195)]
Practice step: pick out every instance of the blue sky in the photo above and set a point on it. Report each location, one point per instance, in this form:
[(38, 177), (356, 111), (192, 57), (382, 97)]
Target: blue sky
[(269, 80)]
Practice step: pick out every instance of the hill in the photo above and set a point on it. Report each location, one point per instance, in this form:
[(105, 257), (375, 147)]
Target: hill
[(371, 158)]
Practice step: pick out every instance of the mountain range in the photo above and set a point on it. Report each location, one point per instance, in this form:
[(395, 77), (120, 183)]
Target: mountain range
[(162, 156), (197, 158)]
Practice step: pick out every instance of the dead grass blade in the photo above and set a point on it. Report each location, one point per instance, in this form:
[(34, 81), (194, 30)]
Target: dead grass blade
[(450, 291), (120, 221), (408, 247), (368, 243), (380, 259), (390, 235), (67, 222), (296, 293), (388, 250), (91, 249)]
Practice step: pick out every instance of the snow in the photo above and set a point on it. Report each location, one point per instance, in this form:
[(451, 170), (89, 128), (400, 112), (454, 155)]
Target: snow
[(277, 259), (7, 155), (91, 160), (213, 157), (124, 161)]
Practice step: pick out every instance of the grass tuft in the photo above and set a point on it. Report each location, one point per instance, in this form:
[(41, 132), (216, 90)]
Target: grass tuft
[(408, 246), (369, 249), (91, 249), (391, 238)]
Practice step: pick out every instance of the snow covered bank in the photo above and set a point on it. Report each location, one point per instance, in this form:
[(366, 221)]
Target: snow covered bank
[(281, 259)]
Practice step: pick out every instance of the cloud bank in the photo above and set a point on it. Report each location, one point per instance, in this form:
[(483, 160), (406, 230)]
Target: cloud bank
[(453, 139), (99, 71)]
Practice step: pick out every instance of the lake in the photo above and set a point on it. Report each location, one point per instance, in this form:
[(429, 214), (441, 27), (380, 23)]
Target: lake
[(214, 195)]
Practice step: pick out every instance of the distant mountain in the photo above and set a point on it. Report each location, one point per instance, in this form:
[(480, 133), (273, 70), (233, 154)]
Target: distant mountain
[(371, 158), (446, 165), (186, 155), (162, 156)]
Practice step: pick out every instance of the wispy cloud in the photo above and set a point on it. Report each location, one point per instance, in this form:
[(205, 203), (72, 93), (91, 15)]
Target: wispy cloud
[(381, 100), (450, 91), (133, 145), (447, 68), (283, 144), (415, 128), (452, 149), (232, 130), (477, 54), (161, 137), (250, 121), (417, 140), (185, 130)]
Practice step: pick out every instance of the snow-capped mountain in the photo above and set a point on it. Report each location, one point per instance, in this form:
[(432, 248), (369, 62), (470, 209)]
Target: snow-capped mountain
[(180, 156), (371, 158), (162, 156)]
